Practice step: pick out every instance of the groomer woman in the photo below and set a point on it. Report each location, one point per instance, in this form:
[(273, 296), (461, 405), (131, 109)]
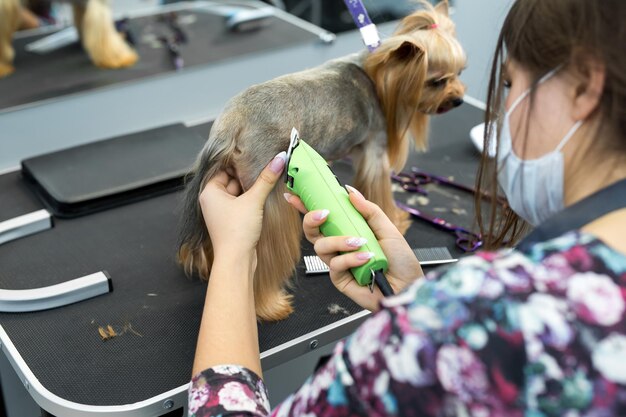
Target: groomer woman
[(536, 331)]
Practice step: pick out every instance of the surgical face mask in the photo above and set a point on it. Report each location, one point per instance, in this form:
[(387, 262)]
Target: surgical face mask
[(534, 188)]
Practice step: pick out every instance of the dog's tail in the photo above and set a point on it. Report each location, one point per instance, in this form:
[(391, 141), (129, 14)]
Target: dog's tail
[(278, 249), (9, 23), (195, 252)]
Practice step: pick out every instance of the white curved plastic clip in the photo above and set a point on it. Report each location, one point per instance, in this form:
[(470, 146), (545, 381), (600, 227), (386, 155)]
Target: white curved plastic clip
[(58, 295), (25, 225)]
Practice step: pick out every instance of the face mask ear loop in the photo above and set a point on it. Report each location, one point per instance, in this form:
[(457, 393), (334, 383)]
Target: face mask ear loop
[(542, 80), (569, 135), (517, 101), (525, 94), (549, 74)]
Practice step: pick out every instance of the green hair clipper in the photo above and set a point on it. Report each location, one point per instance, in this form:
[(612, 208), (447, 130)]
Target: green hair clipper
[(308, 176)]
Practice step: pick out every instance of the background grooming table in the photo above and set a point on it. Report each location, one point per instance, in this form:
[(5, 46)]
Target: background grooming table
[(70, 371), (68, 70)]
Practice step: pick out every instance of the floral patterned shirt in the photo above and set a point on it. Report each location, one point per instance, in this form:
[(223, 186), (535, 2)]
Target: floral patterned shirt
[(506, 333)]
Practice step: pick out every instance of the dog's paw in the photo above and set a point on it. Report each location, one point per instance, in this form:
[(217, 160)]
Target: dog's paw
[(112, 59), (6, 69)]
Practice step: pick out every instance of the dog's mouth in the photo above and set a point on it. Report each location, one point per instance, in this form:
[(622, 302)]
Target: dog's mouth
[(449, 105)]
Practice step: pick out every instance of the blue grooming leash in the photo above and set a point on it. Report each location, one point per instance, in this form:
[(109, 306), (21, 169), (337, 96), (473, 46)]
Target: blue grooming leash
[(368, 30)]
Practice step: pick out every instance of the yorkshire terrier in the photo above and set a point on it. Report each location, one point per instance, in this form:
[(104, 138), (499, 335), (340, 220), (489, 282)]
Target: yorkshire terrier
[(92, 18), (365, 106)]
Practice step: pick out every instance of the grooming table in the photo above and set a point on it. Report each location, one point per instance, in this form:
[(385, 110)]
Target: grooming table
[(59, 354), (68, 70)]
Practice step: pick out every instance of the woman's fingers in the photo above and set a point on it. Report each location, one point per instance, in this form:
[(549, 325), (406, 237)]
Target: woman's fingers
[(233, 187), (378, 221), (220, 180), (328, 249), (334, 244), (312, 222), (342, 263), (223, 181), (268, 178), (295, 202)]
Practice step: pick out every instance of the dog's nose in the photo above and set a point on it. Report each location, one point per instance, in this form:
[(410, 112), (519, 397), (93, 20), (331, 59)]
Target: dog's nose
[(457, 102)]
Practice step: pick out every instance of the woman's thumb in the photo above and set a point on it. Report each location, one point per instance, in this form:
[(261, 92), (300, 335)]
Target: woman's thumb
[(269, 176)]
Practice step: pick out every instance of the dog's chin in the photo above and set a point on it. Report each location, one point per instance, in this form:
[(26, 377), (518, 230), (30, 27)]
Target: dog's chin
[(443, 109), (434, 111)]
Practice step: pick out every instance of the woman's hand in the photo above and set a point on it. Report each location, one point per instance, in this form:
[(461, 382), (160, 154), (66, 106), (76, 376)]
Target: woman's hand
[(234, 219), (404, 268), (228, 330)]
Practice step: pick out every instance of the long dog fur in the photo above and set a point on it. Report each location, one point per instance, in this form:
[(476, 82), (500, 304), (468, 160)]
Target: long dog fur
[(365, 105), (9, 22)]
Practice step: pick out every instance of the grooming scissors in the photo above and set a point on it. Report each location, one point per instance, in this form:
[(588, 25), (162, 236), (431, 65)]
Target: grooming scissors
[(415, 182)]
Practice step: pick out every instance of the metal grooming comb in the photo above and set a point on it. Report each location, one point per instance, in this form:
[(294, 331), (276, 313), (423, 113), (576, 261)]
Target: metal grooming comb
[(426, 256)]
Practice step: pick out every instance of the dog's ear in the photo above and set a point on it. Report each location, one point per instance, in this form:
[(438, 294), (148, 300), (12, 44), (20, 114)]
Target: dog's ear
[(442, 8), (407, 50), (398, 68)]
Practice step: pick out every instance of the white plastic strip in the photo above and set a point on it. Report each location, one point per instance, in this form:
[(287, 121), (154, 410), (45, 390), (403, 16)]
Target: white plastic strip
[(475, 102), (55, 41), (370, 35), (25, 225), (44, 298)]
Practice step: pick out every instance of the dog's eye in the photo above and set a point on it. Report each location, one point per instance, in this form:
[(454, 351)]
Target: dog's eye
[(438, 83)]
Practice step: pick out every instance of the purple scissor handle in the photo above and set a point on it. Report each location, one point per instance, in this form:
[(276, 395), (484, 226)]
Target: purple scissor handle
[(409, 182), (467, 241), (416, 180), (423, 178)]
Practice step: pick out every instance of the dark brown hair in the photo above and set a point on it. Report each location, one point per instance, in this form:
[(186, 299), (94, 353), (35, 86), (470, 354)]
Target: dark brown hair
[(540, 36)]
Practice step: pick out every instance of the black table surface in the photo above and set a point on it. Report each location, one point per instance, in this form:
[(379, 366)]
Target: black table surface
[(154, 306), (68, 70)]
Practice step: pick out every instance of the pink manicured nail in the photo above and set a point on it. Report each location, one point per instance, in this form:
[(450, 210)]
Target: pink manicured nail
[(356, 242), (287, 196), (351, 189), (278, 163), (365, 255), (321, 215)]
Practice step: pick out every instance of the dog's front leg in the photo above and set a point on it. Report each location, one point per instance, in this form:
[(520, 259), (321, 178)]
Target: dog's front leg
[(373, 180), (9, 22), (105, 46)]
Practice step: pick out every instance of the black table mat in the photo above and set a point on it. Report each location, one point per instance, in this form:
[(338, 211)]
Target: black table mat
[(153, 303), (115, 171), (68, 70), (451, 154), (15, 198)]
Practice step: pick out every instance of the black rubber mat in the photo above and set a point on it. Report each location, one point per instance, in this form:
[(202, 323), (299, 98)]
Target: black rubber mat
[(68, 70), (111, 172), (451, 155), (155, 307), (15, 198)]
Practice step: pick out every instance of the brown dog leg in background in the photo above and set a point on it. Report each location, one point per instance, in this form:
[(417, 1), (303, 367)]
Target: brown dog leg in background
[(9, 23), (105, 46)]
